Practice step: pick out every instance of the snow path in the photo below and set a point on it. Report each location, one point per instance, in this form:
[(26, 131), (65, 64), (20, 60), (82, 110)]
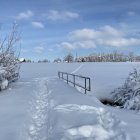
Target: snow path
[(63, 121), (77, 69), (38, 126), (57, 113)]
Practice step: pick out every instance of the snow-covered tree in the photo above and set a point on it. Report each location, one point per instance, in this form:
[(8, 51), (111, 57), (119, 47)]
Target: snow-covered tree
[(129, 94), (58, 60), (69, 58), (44, 61), (131, 56), (9, 67)]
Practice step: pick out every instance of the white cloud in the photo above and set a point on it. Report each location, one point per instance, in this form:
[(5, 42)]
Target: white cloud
[(37, 24), (50, 50), (131, 13), (78, 44), (25, 15), (106, 36), (24, 50), (89, 34), (85, 44), (39, 49), (67, 45), (61, 15), (119, 42), (83, 34), (110, 32)]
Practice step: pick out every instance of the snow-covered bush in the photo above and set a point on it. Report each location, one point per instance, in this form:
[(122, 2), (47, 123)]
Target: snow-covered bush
[(128, 96), (9, 67)]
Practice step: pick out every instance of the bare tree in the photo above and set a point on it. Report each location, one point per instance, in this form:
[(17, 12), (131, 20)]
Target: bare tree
[(58, 60), (69, 58), (44, 61), (131, 56), (9, 54)]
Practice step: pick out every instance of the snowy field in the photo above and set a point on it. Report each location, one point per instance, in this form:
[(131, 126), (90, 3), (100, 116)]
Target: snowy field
[(39, 106)]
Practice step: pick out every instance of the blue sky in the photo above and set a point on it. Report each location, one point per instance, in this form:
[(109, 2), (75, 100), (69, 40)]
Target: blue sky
[(53, 28)]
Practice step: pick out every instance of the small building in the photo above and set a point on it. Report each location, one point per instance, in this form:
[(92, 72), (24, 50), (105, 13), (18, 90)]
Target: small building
[(22, 60)]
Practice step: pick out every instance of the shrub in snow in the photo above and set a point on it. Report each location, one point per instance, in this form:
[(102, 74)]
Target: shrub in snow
[(4, 84), (129, 94), (9, 67)]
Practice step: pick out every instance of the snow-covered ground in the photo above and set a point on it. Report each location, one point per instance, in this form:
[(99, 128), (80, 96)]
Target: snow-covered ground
[(39, 106)]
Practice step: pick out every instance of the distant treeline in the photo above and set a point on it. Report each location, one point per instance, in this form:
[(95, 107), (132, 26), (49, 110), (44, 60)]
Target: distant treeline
[(96, 57), (109, 57), (101, 57)]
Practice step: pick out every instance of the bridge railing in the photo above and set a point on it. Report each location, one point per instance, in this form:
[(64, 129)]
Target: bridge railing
[(73, 79)]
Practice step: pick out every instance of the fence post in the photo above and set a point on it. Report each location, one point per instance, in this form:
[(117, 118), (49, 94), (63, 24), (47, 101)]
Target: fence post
[(85, 85), (89, 85), (62, 75), (74, 80), (67, 78), (59, 75), (86, 79)]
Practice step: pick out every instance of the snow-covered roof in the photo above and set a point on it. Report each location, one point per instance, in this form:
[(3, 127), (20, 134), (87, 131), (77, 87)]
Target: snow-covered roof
[(21, 59)]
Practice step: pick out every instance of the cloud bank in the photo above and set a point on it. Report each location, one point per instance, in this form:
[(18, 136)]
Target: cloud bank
[(61, 15), (104, 36), (37, 24), (25, 15)]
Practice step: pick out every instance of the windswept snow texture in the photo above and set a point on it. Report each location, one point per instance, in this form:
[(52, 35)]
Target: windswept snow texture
[(41, 107), (55, 114)]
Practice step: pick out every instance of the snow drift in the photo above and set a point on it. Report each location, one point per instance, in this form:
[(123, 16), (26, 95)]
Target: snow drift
[(60, 112)]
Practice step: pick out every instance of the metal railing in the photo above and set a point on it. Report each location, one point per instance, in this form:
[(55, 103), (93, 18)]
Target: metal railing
[(72, 78)]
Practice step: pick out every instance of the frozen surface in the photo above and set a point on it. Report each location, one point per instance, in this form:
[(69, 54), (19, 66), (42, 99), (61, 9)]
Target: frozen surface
[(104, 76), (67, 114), (41, 107)]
